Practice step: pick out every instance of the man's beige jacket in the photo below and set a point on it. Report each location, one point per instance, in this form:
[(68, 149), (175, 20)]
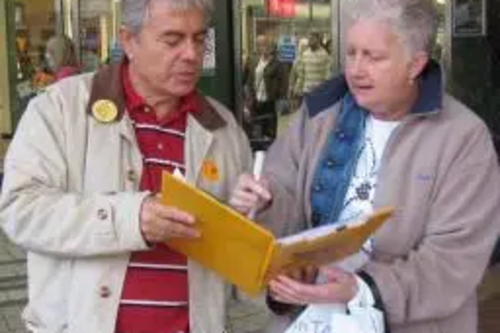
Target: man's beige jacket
[(70, 198)]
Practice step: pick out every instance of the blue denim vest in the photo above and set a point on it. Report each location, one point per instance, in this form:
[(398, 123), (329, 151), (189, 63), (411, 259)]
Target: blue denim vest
[(337, 163)]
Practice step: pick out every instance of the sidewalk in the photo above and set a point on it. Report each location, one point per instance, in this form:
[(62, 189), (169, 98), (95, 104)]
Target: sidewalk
[(13, 295)]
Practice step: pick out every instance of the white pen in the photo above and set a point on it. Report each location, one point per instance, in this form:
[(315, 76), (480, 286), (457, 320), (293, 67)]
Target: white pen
[(258, 165)]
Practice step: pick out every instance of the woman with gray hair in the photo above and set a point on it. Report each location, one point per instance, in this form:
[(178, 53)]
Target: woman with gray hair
[(386, 134)]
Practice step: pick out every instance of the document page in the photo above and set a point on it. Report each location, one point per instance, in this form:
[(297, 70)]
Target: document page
[(311, 234)]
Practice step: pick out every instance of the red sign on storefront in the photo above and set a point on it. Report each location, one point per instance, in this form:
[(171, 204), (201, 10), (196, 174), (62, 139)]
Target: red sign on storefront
[(282, 8)]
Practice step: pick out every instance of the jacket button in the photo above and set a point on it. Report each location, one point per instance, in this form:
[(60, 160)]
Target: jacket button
[(131, 176), (102, 214), (330, 163), (341, 135), (104, 292), (318, 188)]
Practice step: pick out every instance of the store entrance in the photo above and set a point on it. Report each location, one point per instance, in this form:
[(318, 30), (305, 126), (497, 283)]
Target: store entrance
[(286, 48)]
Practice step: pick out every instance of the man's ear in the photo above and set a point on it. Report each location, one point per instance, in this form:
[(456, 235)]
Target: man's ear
[(418, 64), (128, 40)]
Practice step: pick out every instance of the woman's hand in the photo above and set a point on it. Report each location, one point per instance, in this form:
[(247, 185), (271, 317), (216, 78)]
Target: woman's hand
[(339, 287), (250, 195)]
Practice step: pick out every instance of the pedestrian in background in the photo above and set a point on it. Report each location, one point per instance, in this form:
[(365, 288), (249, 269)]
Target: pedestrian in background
[(314, 67), (266, 84), (61, 57)]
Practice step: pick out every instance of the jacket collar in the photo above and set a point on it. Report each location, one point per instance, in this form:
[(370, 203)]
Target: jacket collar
[(429, 101), (107, 85)]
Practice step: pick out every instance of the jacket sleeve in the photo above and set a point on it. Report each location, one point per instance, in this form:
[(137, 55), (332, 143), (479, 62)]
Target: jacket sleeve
[(437, 278), (286, 214), (39, 212)]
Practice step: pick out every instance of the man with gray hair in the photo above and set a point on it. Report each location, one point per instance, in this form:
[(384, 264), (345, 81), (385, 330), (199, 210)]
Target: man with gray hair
[(83, 170)]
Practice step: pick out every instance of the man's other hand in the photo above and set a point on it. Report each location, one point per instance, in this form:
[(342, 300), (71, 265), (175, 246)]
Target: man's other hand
[(160, 223)]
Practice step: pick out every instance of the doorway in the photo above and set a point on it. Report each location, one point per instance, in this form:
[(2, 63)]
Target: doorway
[(272, 38)]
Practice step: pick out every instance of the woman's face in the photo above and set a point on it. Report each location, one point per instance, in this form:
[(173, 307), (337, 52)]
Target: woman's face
[(51, 62), (378, 68)]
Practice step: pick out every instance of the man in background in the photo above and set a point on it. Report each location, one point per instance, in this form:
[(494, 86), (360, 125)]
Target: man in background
[(313, 68)]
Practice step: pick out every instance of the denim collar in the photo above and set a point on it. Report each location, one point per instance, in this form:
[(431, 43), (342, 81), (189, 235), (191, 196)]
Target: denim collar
[(429, 101)]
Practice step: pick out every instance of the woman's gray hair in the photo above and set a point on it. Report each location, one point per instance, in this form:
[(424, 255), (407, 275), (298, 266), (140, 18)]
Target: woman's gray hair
[(134, 11), (414, 21)]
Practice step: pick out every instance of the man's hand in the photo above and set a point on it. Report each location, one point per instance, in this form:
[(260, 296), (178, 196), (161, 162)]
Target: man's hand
[(250, 194), (340, 287), (159, 223)]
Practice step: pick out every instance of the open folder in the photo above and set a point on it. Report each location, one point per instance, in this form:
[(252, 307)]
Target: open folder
[(247, 254)]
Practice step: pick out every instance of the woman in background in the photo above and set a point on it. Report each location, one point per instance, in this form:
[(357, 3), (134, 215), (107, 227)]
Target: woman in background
[(61, 57)]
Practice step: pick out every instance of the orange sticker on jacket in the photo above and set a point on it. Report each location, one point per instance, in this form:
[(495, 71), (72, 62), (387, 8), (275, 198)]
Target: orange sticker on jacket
[(210, 171)]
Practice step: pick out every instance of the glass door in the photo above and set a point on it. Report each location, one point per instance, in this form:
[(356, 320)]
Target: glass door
[(93, 25), (280, 46), (26, 28)]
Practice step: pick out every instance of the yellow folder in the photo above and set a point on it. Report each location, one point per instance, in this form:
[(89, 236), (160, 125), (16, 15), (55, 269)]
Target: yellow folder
[(247, 254)]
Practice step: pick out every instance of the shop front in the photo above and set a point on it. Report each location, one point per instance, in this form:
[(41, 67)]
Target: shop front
[(27, 26), (92, 26)]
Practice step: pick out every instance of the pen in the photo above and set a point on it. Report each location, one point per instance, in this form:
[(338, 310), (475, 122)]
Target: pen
[(258, 164)]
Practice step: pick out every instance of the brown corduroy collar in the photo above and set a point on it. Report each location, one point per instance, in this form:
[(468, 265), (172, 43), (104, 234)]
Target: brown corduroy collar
[(107, 86)]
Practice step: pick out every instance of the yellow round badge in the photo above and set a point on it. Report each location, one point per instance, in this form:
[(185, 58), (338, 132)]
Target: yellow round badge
[(104, 111)]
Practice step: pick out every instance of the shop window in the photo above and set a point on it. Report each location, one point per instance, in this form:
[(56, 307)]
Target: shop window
[(98, 24), (276, 36), (34, 24)]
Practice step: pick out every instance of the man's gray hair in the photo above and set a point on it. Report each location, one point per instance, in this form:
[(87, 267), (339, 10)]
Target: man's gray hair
[(414, 21), (134, 11)]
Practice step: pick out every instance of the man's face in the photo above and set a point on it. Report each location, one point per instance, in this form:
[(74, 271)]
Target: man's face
[(167, 54), (377, 66), (313, 41)]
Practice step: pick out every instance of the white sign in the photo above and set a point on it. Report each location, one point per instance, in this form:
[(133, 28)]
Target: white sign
[(469, 18), (209, 58)]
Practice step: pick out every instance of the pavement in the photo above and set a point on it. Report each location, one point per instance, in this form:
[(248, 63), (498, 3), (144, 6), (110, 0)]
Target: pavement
[(13, 294), (248, 316)]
